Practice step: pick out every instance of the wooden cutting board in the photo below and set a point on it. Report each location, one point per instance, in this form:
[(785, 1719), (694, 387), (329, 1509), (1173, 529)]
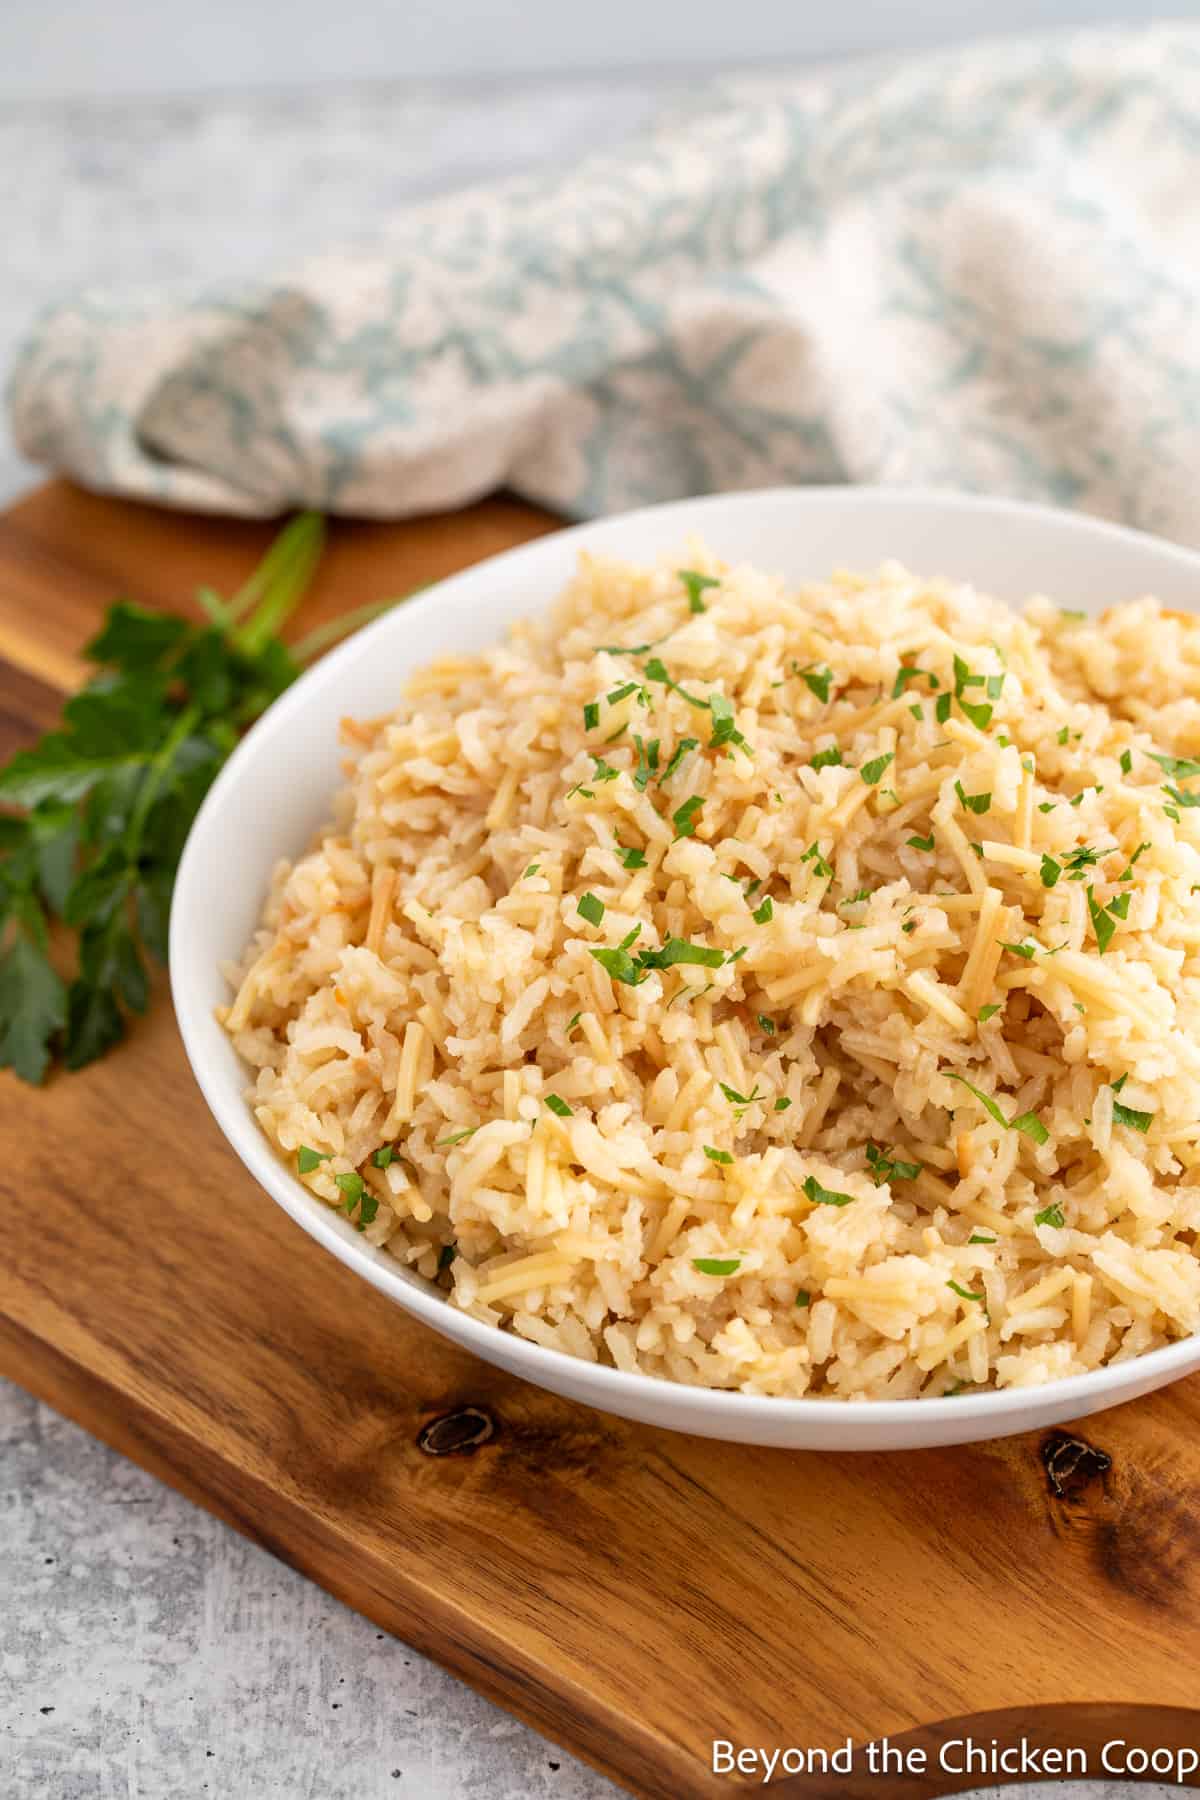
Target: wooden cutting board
[(633, 1593)]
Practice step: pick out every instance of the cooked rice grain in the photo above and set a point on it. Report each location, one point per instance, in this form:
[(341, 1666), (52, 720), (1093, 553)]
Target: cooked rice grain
[(763, 1169)]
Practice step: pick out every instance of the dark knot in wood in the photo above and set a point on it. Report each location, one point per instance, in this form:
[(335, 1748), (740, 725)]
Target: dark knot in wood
[(457, 1433), (1071, 1463)]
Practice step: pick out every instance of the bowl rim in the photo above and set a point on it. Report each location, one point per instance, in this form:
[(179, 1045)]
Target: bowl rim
[(532, 1361)]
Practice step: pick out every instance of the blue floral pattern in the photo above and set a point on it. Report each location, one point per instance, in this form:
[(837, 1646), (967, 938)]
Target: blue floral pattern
[(978, 269)]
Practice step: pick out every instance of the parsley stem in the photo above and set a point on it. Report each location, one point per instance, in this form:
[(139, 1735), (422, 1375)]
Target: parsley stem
[(277, 585), (152, 781), (333, 630)]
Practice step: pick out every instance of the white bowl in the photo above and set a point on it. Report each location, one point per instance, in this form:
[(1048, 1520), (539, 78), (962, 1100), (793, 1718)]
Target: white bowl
[(276, 789)]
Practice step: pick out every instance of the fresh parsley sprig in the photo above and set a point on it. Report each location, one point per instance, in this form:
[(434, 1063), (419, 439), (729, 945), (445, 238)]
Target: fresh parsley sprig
[(94, 816)]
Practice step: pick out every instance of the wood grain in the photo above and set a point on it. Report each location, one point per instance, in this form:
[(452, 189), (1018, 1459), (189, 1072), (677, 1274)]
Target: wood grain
[(633, 1593)]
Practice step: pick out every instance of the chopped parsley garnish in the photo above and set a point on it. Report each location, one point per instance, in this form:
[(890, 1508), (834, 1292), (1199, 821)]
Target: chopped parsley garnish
[(803, 1297), (1127, 873), (1119, 907), (988, 1012), (656, 671), (677, 755), (918, 713), (1026, 949), (1051, 1215), (818, 681), (1051, 871), (717, 1156), (717, 1265), (591, 715), (783, 1102), (1180, 766), (1126, 1115), (820, 867), (623, 692), (1103, 923), (1045, 806), (531, 870), (979, 712), (684, 817), (976, 803), (631, 857), (828, 759), (623, 967), (871, 771), (920, 843), (630, 649), (822, 1196), (647, 763), (558, 1105), (458, 1137), (694, 585), (384, 1156), (355, 1190), (620, 965), (1127, 762), (1077, 861), (308, 1159), (603, 771), (724, 730), (942, 709), (886, 1167), (591, 908), (1028, 1123), (573, 1022), (965, 1293), (978, 1237), (856, 899), (1182, 797), (766, 1024), (1063, 735), (740, 1102), (764, 913), (994, 687), (907, 673)]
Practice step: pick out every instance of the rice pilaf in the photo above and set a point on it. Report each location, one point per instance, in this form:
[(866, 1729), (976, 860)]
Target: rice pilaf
[(787, 990)]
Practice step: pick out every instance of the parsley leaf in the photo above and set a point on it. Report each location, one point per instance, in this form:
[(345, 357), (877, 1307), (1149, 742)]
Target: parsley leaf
[(1103, 923), (308, 1159), (871, 771), (830, 758), (558, 1105), (717, 1156), (765, 912), (677, 755), (684, 817), (110, 795), (886, 1167), (717, 1265), (818, 681), (694, 585), (1051, 1215), (1028, 1123), (591, 908), (822, 1196)]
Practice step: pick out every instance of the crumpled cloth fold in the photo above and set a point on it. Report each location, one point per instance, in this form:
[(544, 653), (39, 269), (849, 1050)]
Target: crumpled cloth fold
[(977, 269)]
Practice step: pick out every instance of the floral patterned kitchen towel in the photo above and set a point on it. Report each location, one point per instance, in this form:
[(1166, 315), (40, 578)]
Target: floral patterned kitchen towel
[(978, 269)]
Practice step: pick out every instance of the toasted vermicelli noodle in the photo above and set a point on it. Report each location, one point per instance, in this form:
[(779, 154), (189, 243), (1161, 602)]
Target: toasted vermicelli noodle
[(792, 991)]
